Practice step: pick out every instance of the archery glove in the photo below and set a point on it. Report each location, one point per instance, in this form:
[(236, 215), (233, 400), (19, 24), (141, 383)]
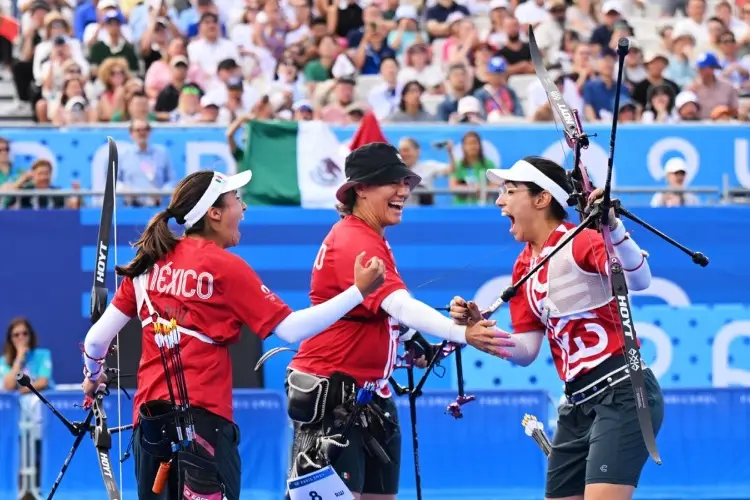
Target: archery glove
[(420, 347)]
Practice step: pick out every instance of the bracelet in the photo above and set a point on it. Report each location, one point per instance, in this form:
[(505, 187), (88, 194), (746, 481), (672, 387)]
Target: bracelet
[(643, 259), (89, 375), (95, 360)]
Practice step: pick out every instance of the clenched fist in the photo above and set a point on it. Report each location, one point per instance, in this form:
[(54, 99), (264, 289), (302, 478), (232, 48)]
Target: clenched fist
[(368, 278)]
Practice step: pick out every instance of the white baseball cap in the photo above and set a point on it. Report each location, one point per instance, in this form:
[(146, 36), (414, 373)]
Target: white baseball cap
[(675, 165)]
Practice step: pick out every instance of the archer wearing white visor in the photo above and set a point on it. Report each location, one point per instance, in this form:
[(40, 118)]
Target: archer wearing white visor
[(210, 293), (570, 301)]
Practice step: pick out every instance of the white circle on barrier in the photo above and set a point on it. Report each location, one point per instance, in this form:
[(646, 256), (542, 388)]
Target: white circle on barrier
[(491, 290), (672, 144), (594, 158), (663, 347), (666, 290)]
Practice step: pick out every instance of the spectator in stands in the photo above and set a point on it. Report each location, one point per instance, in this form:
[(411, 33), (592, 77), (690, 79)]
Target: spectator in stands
[(549, 33), (531, 13), (660, 105), (70, 106), (655, 62), (603, 34), (458, 87), (675, 170), (628, 112), (115, 45), (99, 32), (270, 29), (496, 37), (303, 111), (169, 95), (496, 97), (516, 52), (208, 49), (143, 15), (342, 17), (190, 18), (538, 102), (56, 28), (734, 69), (582, 67), (563, 55), (85, 14), (144, 166), (470, 169), (715, 27), (410, 108), (289, 79), (21, 354), (188, 109), (681, 69), (724, 10), (136, 107), (39, 176), (342, 94), (23, 68), (582, 17), (372, 50), (417, 65), (53, 73), (599, 93), (154, 41), (480, 61), (635, 69), (410, 151), (694, 23), (723, 113), (319, 69), (711, 91), (237, 100), (437, 25), (162, 72), (384, 97), (462, 39), (687, 106), (469, 111), (112, 75), (408, 31)]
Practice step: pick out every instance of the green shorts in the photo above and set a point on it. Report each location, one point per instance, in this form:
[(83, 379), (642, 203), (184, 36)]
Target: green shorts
[(600, 441), (365, 474)]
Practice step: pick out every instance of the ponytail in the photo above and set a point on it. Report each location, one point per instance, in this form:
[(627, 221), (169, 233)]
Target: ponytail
[(156, 241)]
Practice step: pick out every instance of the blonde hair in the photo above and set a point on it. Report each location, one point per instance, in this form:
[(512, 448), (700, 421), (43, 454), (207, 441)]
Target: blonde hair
[(109, 65)]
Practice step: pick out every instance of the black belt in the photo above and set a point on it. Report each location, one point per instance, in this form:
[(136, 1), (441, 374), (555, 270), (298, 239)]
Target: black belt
[(609, 373)]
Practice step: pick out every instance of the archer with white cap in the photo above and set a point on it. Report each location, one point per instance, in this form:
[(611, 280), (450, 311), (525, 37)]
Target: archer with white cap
[(598, 446), (193, 288)]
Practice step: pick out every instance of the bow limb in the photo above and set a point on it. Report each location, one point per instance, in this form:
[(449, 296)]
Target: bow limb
[(99, 298), (619, 306)]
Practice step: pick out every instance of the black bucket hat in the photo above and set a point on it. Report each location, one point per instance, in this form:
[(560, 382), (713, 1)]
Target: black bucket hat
[(375, 164)]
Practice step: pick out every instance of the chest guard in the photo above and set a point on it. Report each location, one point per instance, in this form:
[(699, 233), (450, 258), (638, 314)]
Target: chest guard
[(572, 289)]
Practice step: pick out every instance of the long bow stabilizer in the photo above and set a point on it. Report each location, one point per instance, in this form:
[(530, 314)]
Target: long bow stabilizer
[(597, 217)]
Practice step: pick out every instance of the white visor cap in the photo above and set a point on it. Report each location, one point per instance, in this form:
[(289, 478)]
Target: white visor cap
[(220, 184), (523, 171)]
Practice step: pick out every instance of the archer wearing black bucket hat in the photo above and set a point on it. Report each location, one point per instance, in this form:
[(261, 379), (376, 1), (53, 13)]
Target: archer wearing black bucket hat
[(360, 348)]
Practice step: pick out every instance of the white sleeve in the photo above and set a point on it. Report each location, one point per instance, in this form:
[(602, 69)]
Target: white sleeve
[(417, 315), (632, 258), (527, 347), (305, 323), (101, 334)]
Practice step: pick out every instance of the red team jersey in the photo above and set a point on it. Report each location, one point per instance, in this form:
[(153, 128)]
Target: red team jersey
[(210, 291), (365, 350), (579, 342)]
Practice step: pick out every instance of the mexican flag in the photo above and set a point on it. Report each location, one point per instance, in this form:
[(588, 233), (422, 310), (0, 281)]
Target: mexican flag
[(293, 163)]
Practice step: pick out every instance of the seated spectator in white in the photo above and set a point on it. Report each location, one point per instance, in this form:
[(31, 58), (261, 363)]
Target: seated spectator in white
[(98, 32), (712, 91), (372, 50), (410, 109), (154, 41), (660, 105), (469, 111), (320, 68), (229, 71), (429, 170), (355, 112), (725, 10), (342, 95), (675, 170), (162, 72), (256, 61), (290, 79), (458, 87), (303, 110), (71, 106), (407, 32), (237, 103), (495, 36), (22, 354), (516, 52), (115, 45), (417, 65), (599, 92), (270, 29), (687, 106), (145, 12), (582, 17), (656, 62), (188, 106), (55, 26), (695, 23), (384, 97), (550, 32), (52, 73), (538, 102), (635, 70), (496, 97), (715, 27), (144, 166), (437, 17), (190, 18), (734, 69), (298, 16), (681, 69), (209, 49), (211, 112)]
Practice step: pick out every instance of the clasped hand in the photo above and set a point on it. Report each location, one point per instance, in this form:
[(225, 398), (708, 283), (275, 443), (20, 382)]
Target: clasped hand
[(480, 333)]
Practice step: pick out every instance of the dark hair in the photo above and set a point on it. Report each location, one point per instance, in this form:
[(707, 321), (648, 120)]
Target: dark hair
[(558, 175), (409, 84), (9, 351), (347, 208), (157, 239), (475, 135)]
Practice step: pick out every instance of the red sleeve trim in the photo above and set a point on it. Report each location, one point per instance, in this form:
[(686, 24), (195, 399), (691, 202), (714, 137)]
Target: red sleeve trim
[(643, 259)]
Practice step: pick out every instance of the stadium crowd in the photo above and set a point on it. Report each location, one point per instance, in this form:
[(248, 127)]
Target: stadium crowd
[(217, 61)]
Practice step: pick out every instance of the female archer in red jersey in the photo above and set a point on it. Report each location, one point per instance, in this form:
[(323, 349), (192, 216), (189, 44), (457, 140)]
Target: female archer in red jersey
[(361, 347), (210, 293), (598, 450)]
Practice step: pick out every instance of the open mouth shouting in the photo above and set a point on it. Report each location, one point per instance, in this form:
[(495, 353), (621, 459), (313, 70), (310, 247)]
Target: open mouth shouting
[(396, 206), (511, 218)]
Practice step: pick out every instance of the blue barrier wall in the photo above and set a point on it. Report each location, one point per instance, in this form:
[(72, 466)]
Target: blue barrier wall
[(440, 253), (711, 152), (484, 456)]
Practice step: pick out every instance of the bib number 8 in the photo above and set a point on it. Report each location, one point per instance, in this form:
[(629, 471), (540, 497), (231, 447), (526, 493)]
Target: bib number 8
[(314, 496)]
